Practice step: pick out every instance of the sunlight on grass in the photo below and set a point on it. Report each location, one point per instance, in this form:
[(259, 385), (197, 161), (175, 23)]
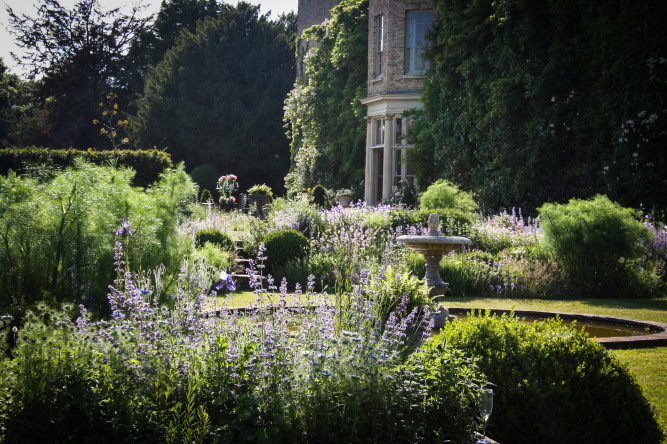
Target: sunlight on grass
[(644, 309), (648, 365)]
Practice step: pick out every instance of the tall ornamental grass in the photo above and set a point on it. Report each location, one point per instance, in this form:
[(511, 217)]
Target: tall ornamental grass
[(57, 236), (598, 243)]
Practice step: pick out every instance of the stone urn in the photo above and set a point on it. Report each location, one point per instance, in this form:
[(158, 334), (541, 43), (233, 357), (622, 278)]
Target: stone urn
[(344, 200), (259, 200)]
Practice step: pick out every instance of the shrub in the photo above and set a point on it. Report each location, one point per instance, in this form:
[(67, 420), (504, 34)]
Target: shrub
[(284, 246), (214, 255), (296, 213), (148, 164), (553, 384), (595, 241), (215, 237), (318, 195), (145, 375), (445, 194), (395, 287), (260, 189)]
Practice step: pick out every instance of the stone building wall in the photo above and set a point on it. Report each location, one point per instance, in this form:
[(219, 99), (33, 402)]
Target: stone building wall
[(313, 12), (393, 78)]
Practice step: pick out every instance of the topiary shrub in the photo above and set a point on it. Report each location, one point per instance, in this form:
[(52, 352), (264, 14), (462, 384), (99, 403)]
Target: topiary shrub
[(445, 194), (318, 196), (595, 241), (215, 237), (553, 384), (284, 246)]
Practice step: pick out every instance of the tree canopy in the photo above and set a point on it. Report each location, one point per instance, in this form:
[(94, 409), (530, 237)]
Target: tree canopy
[(325, 118), (217, 96), (530, 101), (75, 57)]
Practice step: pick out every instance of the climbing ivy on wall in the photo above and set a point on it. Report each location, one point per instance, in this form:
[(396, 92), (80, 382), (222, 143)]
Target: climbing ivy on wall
[(324, 117), (529, 101)]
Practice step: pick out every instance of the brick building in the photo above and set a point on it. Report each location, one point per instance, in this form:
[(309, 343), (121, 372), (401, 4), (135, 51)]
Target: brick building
[(396, 73)]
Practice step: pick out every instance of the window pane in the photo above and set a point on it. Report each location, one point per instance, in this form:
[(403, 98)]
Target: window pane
[(418, 25), (398, 131), (380, 45)]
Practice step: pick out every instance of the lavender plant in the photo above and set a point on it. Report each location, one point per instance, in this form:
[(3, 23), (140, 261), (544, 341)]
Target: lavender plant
[(160, 373)]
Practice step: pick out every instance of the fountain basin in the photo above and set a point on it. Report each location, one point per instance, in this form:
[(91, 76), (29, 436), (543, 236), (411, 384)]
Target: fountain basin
[(433, 245)]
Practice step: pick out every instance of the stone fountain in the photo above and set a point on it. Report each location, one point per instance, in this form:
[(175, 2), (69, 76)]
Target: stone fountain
[(433, 246)]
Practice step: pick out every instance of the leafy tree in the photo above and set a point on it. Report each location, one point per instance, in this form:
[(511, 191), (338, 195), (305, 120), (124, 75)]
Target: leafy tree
[(77, 56), (217, 96), (20, 122), (148, 48), (325, 118), (530, 101)]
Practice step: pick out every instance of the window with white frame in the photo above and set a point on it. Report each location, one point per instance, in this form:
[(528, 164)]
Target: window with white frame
[(398, 131), (378, 132), (379, 45), (418, 25), (409, 139)]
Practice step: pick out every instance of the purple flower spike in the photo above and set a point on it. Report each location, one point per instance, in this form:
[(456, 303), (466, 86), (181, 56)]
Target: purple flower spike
[(125, 228)]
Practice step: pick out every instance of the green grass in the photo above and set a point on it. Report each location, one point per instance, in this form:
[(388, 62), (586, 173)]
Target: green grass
[(648, 365), (245, 298), (645, 309)]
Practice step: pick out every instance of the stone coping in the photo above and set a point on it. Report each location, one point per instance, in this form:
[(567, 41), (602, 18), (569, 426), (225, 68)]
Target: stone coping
[(657, 338)]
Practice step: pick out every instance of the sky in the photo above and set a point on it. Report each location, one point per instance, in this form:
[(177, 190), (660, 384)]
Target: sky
[(29, 7)]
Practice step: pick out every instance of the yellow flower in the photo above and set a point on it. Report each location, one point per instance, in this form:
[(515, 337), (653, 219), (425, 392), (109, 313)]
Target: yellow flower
[(113, 133), (95, 121), (100, 104), (104, 113), (103, 131), (126, 140), (115, 106), (115, 112)]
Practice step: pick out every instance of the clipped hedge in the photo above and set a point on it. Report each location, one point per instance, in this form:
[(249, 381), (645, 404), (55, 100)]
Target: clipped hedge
[(284, 246), (215, 237), (148, 164), (553, 384)]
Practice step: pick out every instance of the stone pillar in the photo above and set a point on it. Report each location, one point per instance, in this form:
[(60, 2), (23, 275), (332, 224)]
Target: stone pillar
[(388, 160), (370, 173)]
